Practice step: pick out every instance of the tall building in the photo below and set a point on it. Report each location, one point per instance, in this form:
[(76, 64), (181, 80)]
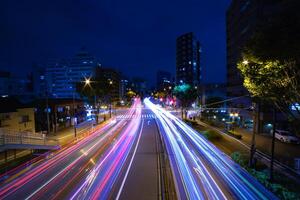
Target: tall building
[(4, 83), (39, 81), (124, 87), (62, 76), (139, 85), (188, 50), (163, 79), (242, 19), (20, 87)]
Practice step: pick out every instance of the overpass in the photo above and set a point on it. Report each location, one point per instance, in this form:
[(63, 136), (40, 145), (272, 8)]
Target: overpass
[(26, 141)]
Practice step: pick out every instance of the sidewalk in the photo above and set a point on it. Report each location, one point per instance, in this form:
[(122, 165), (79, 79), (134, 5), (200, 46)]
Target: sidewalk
[(281, 164), (285, 153)]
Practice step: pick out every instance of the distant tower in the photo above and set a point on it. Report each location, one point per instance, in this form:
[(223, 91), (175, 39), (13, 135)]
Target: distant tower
[(163, 79), (188, 68)]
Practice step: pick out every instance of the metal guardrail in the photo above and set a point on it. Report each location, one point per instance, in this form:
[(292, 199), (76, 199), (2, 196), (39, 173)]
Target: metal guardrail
[(26, 139)]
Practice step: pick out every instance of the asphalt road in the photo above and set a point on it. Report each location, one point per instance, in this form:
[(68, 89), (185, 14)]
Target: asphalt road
[(140, 178), (201, 170), (120, 161), (83, 170)]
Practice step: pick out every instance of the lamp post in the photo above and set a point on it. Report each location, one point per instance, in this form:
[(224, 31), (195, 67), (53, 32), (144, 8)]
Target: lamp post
[(47, 110), (75, 131), (87, 81), (110, 102)]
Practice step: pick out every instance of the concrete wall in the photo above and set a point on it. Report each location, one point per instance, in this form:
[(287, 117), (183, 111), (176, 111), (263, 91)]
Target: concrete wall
[(20, 121)]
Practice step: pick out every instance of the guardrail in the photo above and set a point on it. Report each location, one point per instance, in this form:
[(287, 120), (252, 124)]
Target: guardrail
[(26, 139)]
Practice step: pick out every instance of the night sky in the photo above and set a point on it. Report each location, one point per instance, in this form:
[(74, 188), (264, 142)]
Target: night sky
[(136, 36)]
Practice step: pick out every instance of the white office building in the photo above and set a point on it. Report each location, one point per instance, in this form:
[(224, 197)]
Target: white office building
[(62, 76)]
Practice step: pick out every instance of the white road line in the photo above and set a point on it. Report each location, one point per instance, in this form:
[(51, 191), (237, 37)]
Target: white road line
[(131, 161)]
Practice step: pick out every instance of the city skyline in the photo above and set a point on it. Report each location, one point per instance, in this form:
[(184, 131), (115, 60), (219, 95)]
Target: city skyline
[(62, 33)]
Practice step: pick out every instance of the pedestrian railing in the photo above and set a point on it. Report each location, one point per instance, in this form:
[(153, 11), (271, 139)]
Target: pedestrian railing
[(26, 139)]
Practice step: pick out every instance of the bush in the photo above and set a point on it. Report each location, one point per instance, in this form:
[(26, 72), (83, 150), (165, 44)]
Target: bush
[(211, 135), (263, 177), (236, 135), (238, 158)]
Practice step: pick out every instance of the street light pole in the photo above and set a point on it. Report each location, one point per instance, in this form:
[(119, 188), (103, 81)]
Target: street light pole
[(96, 108), (110, 99), (253, 144), (75, 133), (47, 110), (273, 144)]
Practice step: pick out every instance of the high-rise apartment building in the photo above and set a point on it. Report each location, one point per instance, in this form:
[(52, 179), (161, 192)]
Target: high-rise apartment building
[(188, 50)]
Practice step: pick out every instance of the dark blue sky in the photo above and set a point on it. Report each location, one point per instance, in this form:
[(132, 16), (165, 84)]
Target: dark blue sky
[(136, 36)]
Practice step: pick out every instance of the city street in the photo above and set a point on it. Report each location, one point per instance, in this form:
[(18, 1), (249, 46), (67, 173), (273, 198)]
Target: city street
[(76, 169), (142, 100), (200, 169), (120, 160)]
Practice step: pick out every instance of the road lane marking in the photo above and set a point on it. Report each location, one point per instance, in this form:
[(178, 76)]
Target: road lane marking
[(130, 163)]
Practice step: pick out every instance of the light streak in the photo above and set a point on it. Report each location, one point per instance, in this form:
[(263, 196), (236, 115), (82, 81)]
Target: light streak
[(203, 168)]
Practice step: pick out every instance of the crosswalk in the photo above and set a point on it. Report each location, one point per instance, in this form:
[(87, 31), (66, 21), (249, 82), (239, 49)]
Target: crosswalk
[(143, 116)]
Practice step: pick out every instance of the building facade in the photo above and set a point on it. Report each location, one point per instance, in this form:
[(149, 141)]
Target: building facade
[(188, 69), (163, 80), (16, 86), (62, 76), (15, 117)]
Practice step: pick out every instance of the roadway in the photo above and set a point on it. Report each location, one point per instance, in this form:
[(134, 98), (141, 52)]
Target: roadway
[(141, 175), (119, 160), (201, 170), (85, 169)]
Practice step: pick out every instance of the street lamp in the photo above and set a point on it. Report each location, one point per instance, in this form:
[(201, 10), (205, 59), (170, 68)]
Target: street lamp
[(75, 133), (87, 81), (245, 62), (110, 83)]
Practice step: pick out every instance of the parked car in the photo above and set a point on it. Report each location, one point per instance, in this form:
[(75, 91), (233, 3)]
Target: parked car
[(286, 136)]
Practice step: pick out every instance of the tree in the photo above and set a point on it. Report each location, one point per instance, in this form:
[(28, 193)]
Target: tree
[(129, 95), (271, 63), (186, 95)]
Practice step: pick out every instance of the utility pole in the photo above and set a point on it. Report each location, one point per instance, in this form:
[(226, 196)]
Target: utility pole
[(253, 143), (96, 108), (47, 110), (273, 144), (75, 134)]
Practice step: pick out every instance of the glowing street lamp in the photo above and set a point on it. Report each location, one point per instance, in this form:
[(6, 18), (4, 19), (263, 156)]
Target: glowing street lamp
[(245, 62), (87, 81)]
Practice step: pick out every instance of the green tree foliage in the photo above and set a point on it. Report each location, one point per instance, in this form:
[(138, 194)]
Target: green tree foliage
[(271, 61), (185, 94)]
